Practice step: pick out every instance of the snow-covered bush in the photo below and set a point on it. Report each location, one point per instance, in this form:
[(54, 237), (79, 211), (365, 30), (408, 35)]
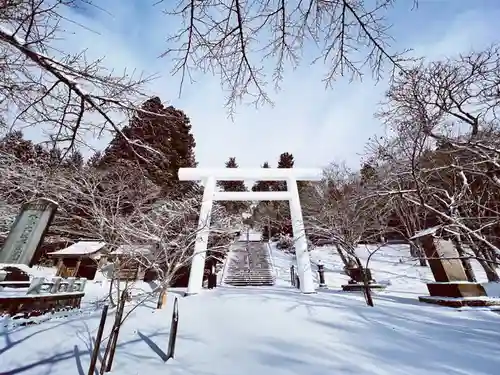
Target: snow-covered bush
[(285, 242)]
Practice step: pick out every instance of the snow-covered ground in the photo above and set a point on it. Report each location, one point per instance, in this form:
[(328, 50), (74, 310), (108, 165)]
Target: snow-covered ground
[(276, 330)]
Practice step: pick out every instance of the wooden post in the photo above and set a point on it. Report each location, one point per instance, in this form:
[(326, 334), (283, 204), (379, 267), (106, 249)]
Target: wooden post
[(162, 299), (77, 268), (116, 330), (98, 338), (60, 265), (107, 352)]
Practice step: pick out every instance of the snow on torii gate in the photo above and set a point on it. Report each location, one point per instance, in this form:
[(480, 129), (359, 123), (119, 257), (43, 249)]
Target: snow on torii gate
[(209, 177)]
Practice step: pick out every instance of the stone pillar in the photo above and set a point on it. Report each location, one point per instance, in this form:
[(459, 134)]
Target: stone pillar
[(200, 247), (304, 269)]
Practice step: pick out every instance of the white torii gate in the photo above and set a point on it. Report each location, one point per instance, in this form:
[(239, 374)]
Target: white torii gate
[(209, 177)]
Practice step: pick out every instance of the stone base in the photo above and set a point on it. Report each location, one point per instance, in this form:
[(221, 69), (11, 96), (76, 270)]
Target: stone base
[(359, 287), (357, 275), (456, 289), (461, 301), (15, 284), (27, 306)]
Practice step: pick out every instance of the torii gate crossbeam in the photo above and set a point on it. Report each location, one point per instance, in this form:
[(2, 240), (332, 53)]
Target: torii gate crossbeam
[(210, 176)]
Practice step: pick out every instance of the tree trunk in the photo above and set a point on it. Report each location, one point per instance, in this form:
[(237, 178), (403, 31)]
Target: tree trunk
[(422, 260), (489, 257), (490, 271), (417, 252), (366, 284), (414, 250), (342, 256)]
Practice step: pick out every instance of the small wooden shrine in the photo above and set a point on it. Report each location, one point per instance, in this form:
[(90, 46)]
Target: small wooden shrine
[(131, 261), (80, 259)]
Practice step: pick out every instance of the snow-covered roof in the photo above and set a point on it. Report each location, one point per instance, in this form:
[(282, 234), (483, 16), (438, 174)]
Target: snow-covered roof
[(132, 250), (80, 248)]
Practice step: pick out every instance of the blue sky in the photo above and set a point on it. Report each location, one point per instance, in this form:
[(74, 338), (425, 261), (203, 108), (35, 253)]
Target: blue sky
[(316, 125)]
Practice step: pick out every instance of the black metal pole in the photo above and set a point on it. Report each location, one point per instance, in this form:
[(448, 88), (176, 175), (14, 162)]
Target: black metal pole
[(173, 332), (292, 275), (321, 272)]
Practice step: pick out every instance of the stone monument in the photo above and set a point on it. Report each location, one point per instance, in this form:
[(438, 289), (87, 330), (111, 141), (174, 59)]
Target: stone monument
[(451, 286), (27, 233)]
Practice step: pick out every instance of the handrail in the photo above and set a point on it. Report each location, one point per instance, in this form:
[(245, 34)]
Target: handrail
[(275, 273), (226, 263)]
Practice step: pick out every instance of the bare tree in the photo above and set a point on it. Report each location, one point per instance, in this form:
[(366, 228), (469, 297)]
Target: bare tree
[(335, 209), (66, 95), (447, 111), (342, 210), (121, 207), (237, 40)]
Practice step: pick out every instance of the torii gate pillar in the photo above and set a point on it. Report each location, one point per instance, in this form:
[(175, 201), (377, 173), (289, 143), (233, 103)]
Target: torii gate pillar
[(211, 176)]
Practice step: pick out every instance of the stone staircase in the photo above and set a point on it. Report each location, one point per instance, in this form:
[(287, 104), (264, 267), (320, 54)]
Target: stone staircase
[(249, 265)]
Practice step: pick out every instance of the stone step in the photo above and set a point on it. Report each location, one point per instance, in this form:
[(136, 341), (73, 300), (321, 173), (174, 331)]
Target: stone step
[(243, 277), (250, 284), (241, 281), (249, 281), (244, 283), (250, 267), (249, 277), (238, 274), (243, 270)]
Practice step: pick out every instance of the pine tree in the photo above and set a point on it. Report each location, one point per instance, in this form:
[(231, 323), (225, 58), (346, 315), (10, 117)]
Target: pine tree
[(14, 145), (264, 210), (95, 159), (282, 209), (368, 173), (233, 207), (167, 131), (286, 160), (262, 185)]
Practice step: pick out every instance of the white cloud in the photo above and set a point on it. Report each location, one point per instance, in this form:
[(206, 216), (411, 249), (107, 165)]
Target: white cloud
[(314, 124)]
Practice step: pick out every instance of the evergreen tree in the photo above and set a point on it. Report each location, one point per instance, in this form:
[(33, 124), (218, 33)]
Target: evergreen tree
[(233, 207), (263, 185), (167, 131), (95, 159), (264, 210), (286, 160), (282, 208), (232, 185), (25, 151), (368, 173), (14, 145)]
